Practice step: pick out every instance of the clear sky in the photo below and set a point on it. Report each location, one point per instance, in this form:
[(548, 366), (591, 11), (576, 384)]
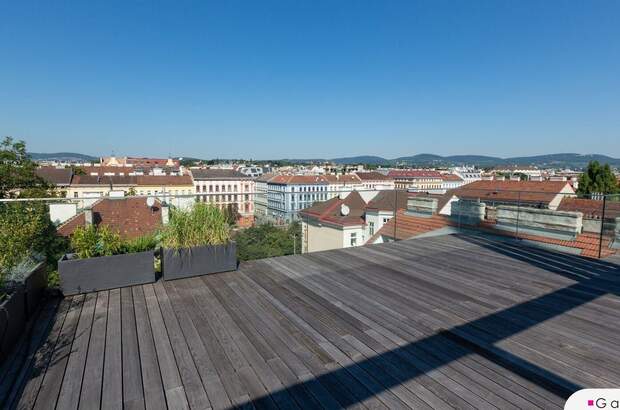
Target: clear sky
[(306, 79)]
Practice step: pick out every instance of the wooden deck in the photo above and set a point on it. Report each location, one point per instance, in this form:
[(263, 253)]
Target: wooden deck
[(453, 321)]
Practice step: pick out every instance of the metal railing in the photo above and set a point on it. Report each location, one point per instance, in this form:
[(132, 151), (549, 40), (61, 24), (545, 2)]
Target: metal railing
[(581, 224)]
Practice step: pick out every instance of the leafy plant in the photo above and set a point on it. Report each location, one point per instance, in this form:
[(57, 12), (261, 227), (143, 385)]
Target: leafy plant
[(140, 244), (89, 241), (25, 230), (204, 224)]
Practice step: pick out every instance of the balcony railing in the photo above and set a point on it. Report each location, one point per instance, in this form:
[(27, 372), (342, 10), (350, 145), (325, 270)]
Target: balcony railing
[(584, 225)]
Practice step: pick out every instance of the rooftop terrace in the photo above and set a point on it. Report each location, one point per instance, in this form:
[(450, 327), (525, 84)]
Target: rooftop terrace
[(452, 321)]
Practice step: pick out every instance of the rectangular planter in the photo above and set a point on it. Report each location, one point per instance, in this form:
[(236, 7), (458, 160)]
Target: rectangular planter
[(105, 272), (199, 260), (12, 320), (34, 285)]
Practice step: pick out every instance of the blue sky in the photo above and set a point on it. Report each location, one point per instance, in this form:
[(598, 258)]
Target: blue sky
[(275, 79)]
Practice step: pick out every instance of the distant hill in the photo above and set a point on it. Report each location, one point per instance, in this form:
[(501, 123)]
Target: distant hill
[(562, 160), (366, 159), (565, 160), (62, 156)]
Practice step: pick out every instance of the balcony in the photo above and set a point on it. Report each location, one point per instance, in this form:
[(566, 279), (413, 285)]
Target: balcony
[(458, 320)]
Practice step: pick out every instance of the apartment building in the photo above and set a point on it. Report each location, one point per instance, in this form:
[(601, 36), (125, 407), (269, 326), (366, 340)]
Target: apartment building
[(375, 180), (348, 220), (417, 180), (226, 188), (334, 224), (530, 171), (288, 194), (345, 183), (170, 189), (451, 181), (261, 212), (173, 190), (89, 188), (139, 162), (468, 174)]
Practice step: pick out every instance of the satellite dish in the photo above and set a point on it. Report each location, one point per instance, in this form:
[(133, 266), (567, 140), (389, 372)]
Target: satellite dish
[(150, 201), (344, 210)]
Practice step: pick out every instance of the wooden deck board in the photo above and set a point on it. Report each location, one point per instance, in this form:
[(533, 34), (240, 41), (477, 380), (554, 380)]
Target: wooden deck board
[(456, 321)]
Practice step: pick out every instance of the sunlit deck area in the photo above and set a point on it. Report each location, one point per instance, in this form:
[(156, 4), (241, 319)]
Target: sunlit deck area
[(453, 321)]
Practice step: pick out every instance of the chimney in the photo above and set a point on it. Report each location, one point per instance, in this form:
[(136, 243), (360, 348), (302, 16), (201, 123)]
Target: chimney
[(165, 214), (88, 216)]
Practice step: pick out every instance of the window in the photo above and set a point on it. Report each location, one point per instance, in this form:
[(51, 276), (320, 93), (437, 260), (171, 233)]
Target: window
[(210, 188), (75, 194), (371, 228), (353, 239), (385, 220)]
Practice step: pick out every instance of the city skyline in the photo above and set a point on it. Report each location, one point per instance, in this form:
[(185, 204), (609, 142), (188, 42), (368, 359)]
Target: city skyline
[(311, 80)]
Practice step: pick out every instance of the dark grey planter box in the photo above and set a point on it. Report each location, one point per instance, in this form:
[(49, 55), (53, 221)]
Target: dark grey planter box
[(105, 272), (199, 260), (34, 285), (12, 320), (19, 305)]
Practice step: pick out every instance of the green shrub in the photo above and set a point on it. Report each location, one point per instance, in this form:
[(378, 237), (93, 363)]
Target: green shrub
[(204, 224), (90, 241), (265, 241), (26, 233), (140, 244)]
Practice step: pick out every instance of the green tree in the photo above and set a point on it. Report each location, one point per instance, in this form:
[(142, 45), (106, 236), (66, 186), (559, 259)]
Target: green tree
[(231, 212), (17, 172), (598, 179), (265, 241)]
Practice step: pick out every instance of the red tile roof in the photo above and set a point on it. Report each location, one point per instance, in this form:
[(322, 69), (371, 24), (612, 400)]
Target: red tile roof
[(414, 174), (513, 191), (103, 169), (163, 180), (373, 176), (218, 174), (342, 179), (385, 200), (330, 211), (299, 180), (130, 217), (103, 180), (451, 177), (55, 176), (587, 243), (592, 209), (408, 226)]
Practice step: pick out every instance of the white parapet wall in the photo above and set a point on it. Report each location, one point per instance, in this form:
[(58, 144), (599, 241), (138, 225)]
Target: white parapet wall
[(544, 222), (616, 243), (467, 212), (62, 212), (422, 206)]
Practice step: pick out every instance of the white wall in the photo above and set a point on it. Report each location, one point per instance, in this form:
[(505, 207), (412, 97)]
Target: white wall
[(59, 213)]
